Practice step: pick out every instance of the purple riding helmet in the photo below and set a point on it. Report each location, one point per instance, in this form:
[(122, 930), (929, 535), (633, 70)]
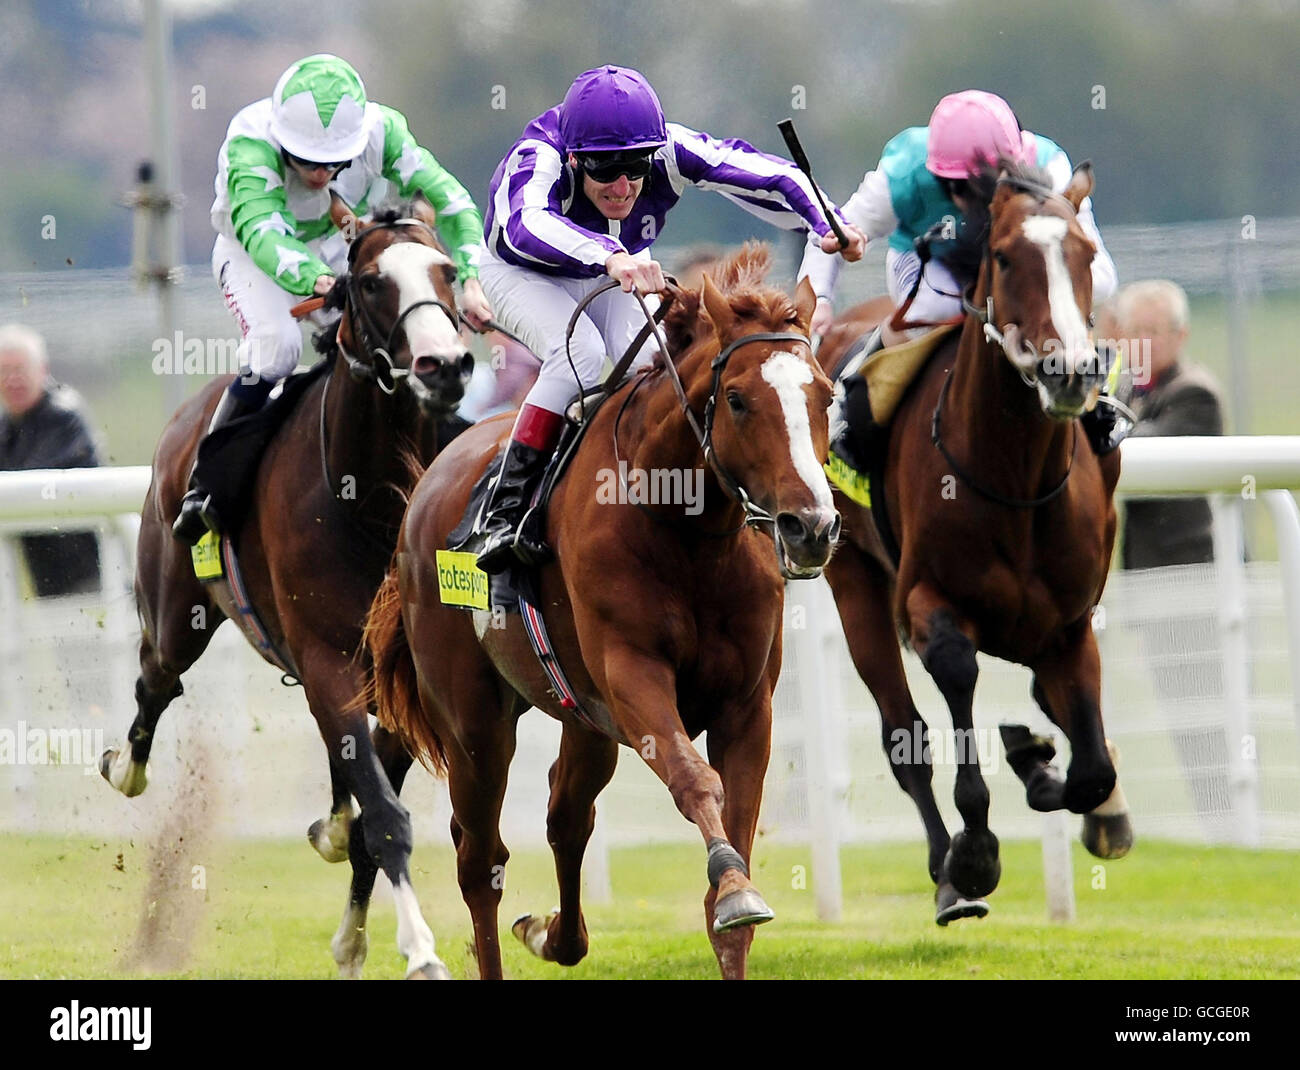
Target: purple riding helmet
[(611, 109)]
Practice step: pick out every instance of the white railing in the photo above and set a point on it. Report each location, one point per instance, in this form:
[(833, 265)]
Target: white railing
[(815, 766)]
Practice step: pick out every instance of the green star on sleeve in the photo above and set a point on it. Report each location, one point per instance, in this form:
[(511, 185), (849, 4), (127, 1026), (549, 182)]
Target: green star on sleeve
[(260, 215), (411, 168)]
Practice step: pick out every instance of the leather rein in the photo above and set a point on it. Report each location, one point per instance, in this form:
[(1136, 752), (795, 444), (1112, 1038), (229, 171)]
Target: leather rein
[(370, 372), (755, 515)]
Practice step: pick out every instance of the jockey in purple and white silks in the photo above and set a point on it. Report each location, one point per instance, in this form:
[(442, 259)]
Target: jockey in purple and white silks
[(578, 199)]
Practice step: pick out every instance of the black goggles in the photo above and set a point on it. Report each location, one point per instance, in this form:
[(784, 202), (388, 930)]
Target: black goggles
[(313, 165), (607, 166)]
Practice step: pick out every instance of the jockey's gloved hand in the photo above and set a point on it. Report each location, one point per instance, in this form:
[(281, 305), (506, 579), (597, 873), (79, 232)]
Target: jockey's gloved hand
[(857, 243), (474, 304), (645, 276)]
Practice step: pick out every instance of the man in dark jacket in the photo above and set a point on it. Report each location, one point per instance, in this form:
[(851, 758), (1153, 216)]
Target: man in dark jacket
[(1172, 398), (1169, 398), (42, 426)]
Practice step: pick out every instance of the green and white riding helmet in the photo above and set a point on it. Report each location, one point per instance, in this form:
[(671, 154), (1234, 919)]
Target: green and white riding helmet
[(318, 110)]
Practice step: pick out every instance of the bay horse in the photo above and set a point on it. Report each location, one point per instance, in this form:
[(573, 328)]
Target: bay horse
[(668, 624), (323, 515), (1005, 521)]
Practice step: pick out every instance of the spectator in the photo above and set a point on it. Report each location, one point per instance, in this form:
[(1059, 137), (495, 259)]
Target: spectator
[(1173, 398), (42, 425)]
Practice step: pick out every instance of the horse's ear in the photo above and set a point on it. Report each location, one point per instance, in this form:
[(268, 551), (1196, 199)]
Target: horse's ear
[(422, 210), (719, 309), (1081, 184), (805, 300)]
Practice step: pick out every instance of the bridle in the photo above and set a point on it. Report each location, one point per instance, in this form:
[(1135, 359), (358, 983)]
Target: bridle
[(987, 318), (364, 323), (363, 319), (754, 513), (986, 315)]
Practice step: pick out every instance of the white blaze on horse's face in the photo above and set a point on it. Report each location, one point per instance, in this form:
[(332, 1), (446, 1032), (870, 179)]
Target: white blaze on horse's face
[(788, 375), (429, 330), (1048, 233)]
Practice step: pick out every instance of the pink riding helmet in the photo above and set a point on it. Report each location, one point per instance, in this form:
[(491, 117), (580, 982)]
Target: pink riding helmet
[(970, 129)]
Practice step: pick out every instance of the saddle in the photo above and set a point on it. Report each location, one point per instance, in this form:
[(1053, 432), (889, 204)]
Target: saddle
[(230, 456), (872, 391), (504, 588)]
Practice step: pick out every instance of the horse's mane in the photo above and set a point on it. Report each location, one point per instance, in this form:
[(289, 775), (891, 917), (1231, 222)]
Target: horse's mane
[(741, 277)]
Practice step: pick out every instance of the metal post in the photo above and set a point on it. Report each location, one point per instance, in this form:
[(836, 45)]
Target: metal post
[(162, 207)]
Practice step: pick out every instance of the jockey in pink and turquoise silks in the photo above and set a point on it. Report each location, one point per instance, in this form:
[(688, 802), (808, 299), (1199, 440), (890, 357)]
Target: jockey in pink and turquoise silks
[(922, 179)]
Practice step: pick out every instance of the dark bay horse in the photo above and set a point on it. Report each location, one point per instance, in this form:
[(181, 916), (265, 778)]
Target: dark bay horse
[(1005, 521), (317, 541), (667, 623)]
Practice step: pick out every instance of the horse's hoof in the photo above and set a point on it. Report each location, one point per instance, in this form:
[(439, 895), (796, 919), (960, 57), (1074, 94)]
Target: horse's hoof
[(972, 865), (324, 839), (122, 773), (950, 905), (1107, 836), (1083, 797), (743, 907), (531, 931), (430, 971)]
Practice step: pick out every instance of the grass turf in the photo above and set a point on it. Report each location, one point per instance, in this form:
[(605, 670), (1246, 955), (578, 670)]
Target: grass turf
[(77, 908)]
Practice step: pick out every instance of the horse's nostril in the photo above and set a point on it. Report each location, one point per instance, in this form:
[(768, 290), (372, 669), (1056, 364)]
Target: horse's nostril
[(790, 527), (833, 535), (423, 366)]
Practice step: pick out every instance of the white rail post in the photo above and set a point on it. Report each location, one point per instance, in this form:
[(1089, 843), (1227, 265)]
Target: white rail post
[(597, 886), (820, 712), (1058, 865), (1230, 578), (1286, 522)]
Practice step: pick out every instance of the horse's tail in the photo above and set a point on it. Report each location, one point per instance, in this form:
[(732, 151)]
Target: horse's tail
[(392, 691)]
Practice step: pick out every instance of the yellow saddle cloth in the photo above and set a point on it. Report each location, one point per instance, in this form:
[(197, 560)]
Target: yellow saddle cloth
[(890, 372)]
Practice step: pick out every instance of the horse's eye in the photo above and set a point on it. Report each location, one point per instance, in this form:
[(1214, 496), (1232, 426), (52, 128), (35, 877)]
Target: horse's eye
[(1002, 261), (370, 284), (736, 402)]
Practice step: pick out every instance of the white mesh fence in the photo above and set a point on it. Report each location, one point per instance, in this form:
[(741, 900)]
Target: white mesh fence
[(248, 748)]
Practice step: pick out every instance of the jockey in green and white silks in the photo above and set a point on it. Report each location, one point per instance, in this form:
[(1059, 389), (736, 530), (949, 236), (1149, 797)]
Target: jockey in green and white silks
[(276, 241)]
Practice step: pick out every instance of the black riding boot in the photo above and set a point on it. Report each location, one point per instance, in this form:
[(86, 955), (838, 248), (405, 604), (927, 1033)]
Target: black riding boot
[(505, 542), (1105, 428), (198, 516), (858, 436)]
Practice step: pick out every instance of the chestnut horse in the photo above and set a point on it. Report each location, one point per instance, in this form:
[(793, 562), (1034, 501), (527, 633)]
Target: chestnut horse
[(1005, 521), (668, 624), (322, 521)]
